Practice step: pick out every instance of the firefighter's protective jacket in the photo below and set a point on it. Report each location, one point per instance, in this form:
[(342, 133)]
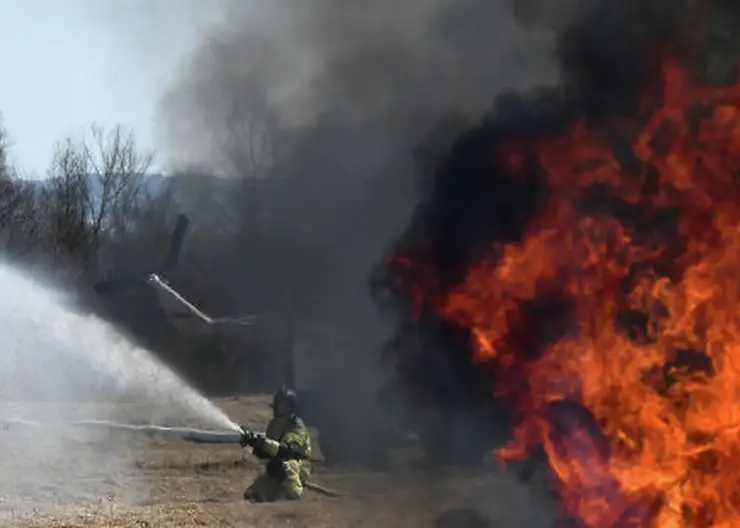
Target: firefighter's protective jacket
[(285, 439)]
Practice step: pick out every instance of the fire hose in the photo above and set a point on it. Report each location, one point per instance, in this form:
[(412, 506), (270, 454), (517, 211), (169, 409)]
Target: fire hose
[(186, 433), (189, 434)]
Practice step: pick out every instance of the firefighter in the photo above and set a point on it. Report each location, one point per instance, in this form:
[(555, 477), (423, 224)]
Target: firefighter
[(287, 448)]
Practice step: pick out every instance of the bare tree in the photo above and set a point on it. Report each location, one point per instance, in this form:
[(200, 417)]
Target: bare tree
[(8, 187), (118, 169), (16, 203), (95, 185)]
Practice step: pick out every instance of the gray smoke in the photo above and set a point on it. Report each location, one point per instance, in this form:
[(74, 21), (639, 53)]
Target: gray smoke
[(324, 102), (334, 97), (365, 63)]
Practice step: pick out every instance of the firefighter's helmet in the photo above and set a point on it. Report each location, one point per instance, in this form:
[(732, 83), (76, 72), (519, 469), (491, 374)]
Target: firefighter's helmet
[(284, 402)]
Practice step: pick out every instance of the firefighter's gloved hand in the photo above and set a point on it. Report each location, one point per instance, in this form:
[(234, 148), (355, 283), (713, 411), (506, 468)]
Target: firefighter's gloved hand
[(249, 438)]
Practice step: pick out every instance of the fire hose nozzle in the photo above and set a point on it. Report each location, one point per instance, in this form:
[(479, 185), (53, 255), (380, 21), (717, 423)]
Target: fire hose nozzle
[(248, 437)]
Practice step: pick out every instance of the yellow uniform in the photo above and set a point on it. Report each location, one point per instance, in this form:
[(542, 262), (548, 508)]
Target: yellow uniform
[(287, 448)]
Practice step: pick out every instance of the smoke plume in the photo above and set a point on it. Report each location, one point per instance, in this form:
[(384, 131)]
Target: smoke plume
[(375, 65), (325, 104)]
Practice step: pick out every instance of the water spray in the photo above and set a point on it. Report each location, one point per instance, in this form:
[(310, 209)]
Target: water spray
[(54, 352)]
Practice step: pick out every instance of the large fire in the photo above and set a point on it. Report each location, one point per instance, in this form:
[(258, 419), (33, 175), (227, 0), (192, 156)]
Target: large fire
[(661, 446)]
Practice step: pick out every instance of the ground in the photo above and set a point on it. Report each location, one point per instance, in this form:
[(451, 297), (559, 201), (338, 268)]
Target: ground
[(138, 481)]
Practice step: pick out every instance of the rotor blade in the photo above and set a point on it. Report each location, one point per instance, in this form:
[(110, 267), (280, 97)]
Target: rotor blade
[(175, 304), (176, 241), (246, 320)]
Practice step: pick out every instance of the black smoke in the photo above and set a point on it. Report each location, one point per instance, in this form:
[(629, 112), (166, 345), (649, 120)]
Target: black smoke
[(609, 58)]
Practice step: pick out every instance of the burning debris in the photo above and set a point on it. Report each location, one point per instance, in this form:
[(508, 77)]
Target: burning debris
[(581, 249)]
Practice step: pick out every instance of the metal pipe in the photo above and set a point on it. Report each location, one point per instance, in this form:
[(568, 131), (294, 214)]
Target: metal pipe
[(186, 433)]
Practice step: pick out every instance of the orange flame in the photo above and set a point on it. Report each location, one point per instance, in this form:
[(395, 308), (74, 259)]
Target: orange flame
[(672, 434)]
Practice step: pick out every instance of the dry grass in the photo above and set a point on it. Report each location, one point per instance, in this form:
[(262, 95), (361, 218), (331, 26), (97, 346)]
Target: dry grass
[(188, 485)]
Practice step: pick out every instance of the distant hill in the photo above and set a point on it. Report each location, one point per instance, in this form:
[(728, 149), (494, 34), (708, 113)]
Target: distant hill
[(153, 183)]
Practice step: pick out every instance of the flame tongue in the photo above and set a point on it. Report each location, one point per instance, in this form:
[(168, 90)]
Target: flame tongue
[(649, 347)]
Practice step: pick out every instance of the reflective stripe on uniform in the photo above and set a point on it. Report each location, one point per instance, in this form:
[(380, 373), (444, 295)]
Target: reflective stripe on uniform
[(299, 437), (293, 484), (270, 447)]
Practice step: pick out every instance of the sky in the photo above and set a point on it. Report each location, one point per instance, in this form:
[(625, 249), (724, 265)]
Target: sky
[(65, 64)]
